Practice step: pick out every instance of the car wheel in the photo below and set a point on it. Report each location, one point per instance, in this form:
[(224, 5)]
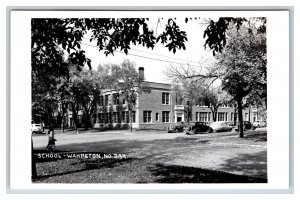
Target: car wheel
[(210, 130)]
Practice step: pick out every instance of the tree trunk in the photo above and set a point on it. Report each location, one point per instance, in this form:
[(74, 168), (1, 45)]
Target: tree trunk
[(130, 118), (62, 120), (240, 114), (74, 114), (249, 117), (50, 119), (188, 115), (214, 114), (88, 120), (234, 115)]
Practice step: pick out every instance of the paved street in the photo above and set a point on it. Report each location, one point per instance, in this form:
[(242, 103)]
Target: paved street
[(224, 152)]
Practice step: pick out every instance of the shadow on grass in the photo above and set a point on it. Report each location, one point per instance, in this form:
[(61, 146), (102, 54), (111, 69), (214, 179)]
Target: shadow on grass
[(182, 174), (258, 136), (254, 164), (153, 154), (88, 164)]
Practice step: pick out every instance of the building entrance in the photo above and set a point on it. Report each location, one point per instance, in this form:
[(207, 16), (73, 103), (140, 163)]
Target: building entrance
[(179, 119)]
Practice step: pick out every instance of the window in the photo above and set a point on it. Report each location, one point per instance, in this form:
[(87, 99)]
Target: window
[(226, 116), (133, 116), (107, 118), (147, 116), (157, 117), (116, 99), (221, 116), (106, 100), (231, 117), (246, 116), (125, 117), (202, 116), (209, 116), (101, 118), (179, 100), (101, 100), (166, 116), (115, 117), (165, 98)]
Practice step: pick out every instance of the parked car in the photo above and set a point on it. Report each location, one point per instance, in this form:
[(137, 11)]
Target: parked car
[(177, 127), (246, 126), (197, 127), (259, 124), (230, 124), (37, 128), (219, 127)]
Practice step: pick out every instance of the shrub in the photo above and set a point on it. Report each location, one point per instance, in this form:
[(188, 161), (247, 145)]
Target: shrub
[(125, 126)]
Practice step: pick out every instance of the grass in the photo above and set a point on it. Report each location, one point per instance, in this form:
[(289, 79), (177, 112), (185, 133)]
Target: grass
[(149, 168), (131, 171)]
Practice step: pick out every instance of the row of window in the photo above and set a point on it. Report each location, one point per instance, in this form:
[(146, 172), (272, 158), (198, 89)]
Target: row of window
[(147, 116), (116, 117), (104, 100), (221, 116)]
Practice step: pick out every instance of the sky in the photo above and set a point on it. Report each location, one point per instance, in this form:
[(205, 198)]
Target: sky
[(194, 54)]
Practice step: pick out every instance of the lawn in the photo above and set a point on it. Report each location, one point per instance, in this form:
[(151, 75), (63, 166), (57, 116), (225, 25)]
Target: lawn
[(160, 158)]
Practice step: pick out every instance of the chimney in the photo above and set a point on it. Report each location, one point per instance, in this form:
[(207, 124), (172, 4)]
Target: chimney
[(141, 73)]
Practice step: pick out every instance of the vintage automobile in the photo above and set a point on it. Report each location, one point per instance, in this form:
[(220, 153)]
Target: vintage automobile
[(246, 126), (219, 127), (176, 127), (37, 128), (196, 128), (259, 124)]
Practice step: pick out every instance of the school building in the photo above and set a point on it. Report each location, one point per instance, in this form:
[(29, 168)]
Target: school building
[(156, 110)]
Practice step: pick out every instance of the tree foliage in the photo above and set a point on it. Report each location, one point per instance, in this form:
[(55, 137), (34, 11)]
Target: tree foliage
[(83, 94), (244, 59), (216, 31), (51, 35), (214, 97), (129, 83)]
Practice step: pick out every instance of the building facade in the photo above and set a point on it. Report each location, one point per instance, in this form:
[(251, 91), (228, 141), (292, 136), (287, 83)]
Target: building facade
[(155, 110)]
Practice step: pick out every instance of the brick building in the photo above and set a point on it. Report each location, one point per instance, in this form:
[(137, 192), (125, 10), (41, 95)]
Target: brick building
[(160, 108), (156, 110)]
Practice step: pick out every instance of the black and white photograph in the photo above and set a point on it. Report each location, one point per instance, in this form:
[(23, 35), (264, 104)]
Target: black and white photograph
[(162, 99)]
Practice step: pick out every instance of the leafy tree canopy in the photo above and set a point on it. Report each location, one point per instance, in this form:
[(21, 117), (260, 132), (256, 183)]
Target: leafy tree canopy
[(50, 36)]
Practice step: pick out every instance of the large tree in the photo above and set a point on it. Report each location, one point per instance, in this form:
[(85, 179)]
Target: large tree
[(49, 35), (239, 46), (187, 90), (244, 60), (83, 92), (129, 83)]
